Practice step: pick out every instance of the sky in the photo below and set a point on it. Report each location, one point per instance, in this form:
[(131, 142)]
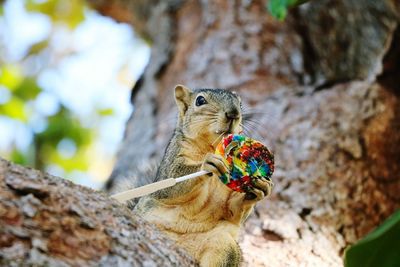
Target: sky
[(92, 66)]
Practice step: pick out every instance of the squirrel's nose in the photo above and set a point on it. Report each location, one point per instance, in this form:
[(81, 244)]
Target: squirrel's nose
[(232, 114)]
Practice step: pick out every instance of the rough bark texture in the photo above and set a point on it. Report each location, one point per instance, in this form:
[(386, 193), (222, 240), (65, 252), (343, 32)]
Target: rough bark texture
[(48, 221), (330, 103)]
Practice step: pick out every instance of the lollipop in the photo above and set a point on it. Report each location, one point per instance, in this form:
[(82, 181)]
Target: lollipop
[(248, 160)]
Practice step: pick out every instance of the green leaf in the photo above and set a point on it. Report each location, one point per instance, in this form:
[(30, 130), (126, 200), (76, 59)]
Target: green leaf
[(38, 47), (379, 248), (20, 157), (105, 112), (15, 109), (69, 12), (10, 76), (64, 125), (28, 89), (60, 126), (79, 161), (278, 8), (45, 7)]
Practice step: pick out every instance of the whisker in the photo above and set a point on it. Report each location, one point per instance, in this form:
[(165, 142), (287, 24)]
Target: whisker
[(256, 110), (252, 121), (201, 119), (215, 141), (254, 128), (255, 115), (192, 123), (248, 131)]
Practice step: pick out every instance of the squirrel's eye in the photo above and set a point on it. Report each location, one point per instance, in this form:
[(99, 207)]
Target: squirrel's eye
[(200, 100)]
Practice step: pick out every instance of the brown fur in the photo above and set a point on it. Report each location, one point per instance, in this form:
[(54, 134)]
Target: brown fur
[(202, 215)]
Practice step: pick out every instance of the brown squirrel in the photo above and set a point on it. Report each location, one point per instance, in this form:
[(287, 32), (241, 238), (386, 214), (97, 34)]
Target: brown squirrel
[(202, 215)]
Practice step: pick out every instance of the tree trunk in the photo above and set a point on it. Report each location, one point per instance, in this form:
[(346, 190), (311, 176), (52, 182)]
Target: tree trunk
[(326, 83), (48, 221)]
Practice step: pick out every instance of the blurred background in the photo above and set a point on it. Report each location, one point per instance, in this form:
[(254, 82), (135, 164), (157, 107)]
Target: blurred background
[(65, 78)]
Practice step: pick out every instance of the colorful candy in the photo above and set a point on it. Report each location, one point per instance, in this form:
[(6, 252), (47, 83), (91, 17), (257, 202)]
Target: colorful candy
[(248, 160)]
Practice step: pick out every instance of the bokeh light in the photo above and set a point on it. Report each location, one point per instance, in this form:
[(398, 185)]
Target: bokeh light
[(65, 81)]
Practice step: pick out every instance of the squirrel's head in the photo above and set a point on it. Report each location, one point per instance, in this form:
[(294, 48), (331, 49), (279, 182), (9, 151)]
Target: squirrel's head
[(208, 113)]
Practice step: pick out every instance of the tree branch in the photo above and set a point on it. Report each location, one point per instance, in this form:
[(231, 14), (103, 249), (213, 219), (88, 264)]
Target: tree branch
[(45, 220)]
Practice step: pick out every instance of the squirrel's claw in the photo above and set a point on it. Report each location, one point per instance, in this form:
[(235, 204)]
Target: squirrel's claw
[(261, 188), (214, 164)]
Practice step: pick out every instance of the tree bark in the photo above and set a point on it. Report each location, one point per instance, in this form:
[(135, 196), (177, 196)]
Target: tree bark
[(48, 221), (326, 84)]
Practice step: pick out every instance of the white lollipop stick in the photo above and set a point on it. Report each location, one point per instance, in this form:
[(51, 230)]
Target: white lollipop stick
[(151, 188)]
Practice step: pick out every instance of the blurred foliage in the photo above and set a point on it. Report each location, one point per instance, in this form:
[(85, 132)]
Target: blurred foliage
[(279, 8), (69, 12), (379, 248), (21, 89), (61, 128)]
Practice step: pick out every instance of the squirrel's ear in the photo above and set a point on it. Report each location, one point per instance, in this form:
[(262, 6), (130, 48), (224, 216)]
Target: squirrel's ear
[(182, 98)]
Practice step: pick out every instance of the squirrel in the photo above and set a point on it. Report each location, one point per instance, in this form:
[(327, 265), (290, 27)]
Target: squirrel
[(202, 215)]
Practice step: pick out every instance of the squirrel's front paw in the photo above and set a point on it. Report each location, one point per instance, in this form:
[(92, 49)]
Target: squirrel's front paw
[(214, 164), (260, 189)]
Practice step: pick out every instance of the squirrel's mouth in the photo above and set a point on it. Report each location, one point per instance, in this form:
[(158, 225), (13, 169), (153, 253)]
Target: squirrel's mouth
[(231, 126), (224, 133), (229, 130)]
